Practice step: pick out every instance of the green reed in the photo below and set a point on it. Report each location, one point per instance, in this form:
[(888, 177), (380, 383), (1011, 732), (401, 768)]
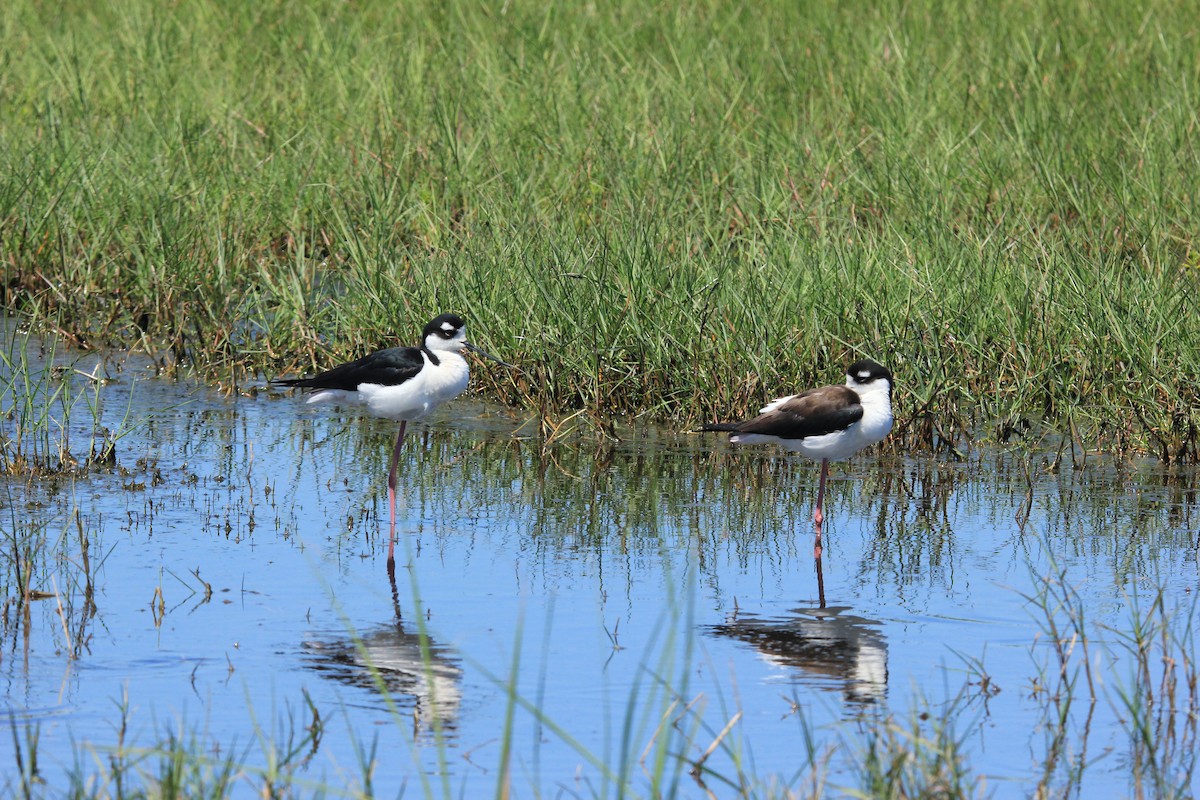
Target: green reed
[(52, 411), (36, 405)]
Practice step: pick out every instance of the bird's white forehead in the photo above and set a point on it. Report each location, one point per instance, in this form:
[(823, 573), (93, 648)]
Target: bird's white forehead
[(446, 326)]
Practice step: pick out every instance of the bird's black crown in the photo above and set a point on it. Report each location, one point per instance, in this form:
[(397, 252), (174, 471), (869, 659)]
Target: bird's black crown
[(866, 371), (444, 325)]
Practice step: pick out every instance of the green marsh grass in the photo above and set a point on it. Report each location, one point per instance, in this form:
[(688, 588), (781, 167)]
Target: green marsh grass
[(671, 212)]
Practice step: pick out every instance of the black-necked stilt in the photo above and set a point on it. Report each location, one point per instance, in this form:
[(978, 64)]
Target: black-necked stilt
[(400, 383), (830, 423)]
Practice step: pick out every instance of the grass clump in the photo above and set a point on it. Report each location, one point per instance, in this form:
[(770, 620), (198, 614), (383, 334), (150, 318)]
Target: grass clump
[(674, 212), (47, 406)]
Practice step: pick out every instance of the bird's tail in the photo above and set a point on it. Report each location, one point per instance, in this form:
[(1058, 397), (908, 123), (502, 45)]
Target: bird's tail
[(718, 426)]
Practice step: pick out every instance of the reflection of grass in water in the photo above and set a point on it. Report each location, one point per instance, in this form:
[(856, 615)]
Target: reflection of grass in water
[(1158, 702), (658, 727), (654, 489), (47, 406), (672, 742), (41, 585), (673, 214), (665, 732)]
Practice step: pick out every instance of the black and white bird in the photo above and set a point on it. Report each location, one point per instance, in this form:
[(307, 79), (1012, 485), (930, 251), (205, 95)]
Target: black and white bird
[(830, 423), (400, 383)]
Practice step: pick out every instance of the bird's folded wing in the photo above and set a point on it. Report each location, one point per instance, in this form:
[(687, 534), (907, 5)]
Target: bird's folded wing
[(812, 413), (389, 367)]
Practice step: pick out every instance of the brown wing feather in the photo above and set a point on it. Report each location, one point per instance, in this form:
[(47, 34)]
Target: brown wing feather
[(811, 413)]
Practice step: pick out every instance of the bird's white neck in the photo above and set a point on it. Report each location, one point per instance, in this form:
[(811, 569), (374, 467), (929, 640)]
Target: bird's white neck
[(876, 399), (449, 376)]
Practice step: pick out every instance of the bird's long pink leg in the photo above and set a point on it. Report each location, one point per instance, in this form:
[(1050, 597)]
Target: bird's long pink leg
[(392, 494), (819, 512)]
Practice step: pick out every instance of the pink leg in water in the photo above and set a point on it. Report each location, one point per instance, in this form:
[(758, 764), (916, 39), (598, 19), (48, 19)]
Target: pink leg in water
[(392, 494), (819, 511)]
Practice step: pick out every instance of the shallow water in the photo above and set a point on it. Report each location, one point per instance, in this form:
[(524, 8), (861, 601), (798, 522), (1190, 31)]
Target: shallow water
[(597, 601)]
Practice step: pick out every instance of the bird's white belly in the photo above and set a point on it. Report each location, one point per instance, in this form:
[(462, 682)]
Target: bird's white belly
[(415, 398), (833, 446)]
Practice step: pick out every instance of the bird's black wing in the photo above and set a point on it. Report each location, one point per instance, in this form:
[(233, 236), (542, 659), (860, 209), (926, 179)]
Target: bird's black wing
[(812, 413), (390, 367)]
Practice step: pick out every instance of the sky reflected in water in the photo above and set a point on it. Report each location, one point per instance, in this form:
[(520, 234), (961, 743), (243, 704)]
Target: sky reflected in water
[(574, 595)]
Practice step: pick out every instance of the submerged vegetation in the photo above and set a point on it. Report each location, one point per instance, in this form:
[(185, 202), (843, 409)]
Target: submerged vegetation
[(657, 210), (50, 417)]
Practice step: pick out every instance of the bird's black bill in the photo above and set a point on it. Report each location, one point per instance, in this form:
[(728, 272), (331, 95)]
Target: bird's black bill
[(486, 354)]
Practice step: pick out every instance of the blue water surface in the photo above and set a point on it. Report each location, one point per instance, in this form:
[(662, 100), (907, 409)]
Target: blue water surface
[(574, 617)]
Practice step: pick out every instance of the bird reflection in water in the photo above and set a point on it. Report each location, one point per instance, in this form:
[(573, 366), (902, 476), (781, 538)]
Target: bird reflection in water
[(831, 647), (404, 665)]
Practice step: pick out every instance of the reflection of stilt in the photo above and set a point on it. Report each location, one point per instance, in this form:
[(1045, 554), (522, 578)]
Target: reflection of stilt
[(391, 559), (820, 582), (391, 569), (390, 661), (829, 647)]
